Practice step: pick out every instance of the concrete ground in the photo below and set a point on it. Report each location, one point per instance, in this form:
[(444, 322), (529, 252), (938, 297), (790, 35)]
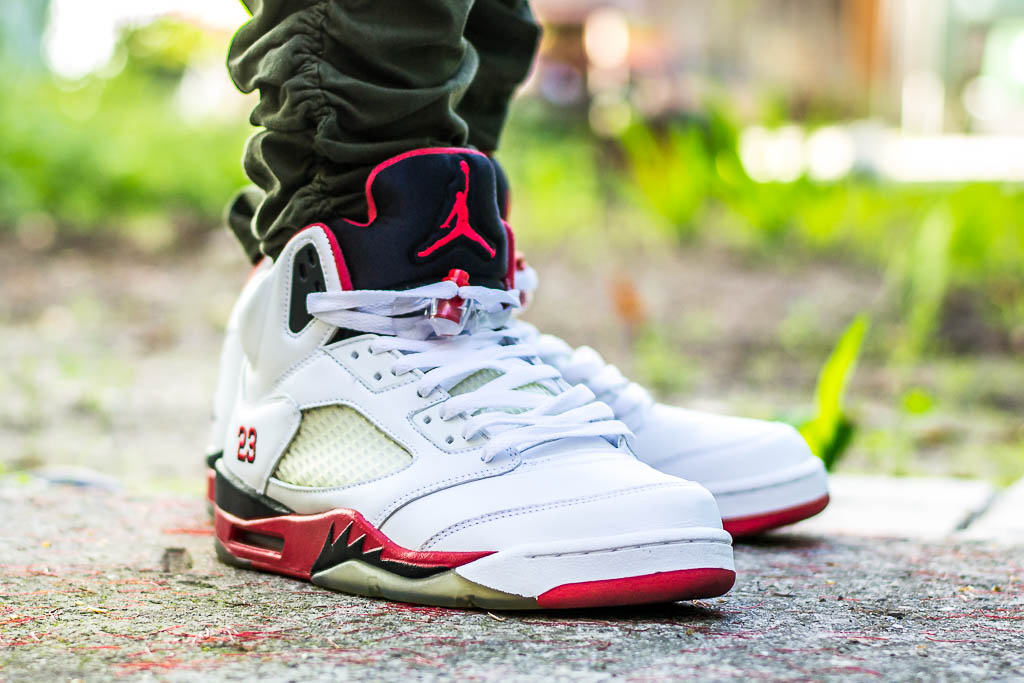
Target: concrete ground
[(84, 595)]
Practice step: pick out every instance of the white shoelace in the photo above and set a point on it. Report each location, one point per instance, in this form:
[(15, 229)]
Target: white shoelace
[(584, 365), (511, 419)]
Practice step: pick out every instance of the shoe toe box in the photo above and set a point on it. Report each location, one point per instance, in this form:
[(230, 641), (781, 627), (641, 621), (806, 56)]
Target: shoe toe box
[(716, 449), (550, 502)]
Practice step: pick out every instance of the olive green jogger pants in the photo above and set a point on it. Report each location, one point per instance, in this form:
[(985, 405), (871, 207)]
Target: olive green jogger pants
[(346, 84)]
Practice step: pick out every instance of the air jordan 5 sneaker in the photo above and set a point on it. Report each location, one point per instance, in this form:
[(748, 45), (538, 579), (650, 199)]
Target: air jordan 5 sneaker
[(383, 429)]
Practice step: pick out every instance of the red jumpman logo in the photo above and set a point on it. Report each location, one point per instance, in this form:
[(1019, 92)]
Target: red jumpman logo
[(460, 212)]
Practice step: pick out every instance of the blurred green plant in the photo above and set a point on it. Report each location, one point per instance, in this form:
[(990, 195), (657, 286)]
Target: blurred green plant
[(688, 175), (672, 176), (830, 432), (113, 154), (556, 190), (922, 274), (917, 401)]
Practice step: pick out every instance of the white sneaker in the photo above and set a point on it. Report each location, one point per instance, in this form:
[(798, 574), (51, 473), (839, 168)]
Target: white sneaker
[(761, 473), (382, 434)]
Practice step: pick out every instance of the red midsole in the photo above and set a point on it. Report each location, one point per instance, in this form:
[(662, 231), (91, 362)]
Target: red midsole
[(301, 538), (755, 524)]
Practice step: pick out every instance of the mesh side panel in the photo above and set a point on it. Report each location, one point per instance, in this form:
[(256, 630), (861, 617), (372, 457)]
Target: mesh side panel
[(482, 377), (474, 381), (337, 446)]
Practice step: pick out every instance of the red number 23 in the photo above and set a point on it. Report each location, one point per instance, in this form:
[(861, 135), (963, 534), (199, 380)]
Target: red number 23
[(247, 444)]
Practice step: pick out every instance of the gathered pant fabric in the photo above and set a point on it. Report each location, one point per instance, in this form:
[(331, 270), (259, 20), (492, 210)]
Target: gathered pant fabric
[(347, 84)]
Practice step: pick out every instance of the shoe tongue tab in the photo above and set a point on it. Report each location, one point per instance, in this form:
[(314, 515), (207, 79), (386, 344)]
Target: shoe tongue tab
[(430, 212)]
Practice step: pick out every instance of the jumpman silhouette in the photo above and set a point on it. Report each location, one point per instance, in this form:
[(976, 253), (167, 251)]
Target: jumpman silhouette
[(460, 212)]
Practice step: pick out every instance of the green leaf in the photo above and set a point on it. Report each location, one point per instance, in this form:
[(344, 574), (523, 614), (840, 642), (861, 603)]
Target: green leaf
[(830, 431)]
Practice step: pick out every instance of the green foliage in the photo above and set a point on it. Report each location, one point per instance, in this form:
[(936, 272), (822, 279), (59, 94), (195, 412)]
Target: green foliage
[(684, 180), (931, 238), (917, 401), (676, 170), (108, 153), (556, 189), (162, 49), (830, 432), (672, 176), (924, 279)]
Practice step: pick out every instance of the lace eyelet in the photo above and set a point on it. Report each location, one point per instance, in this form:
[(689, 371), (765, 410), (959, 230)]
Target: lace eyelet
[(427, 420), (377, 376), (355, 354), (449, 440)]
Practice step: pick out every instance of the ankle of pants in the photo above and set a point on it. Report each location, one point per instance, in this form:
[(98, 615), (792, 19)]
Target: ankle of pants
[(346, 84)]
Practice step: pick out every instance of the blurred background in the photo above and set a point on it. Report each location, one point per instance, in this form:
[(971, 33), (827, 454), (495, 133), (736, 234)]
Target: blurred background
[(810, 210)]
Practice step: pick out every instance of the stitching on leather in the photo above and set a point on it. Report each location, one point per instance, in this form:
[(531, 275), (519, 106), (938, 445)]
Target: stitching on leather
[(294, 368), (435, 486), (397, 503), (287, 298), (636, 546), (356, 376), (540, 507), (411, 416), (786, 482), (279, 444)]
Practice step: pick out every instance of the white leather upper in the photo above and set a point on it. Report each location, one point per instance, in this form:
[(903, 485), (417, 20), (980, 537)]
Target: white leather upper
[(582, 495), (721, 452), (231, 359), (446, 498)]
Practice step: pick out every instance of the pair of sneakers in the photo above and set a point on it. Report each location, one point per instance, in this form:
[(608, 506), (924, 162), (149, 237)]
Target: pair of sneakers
[(385, 426)]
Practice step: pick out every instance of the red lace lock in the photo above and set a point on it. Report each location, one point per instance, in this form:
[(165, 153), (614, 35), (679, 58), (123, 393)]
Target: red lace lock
[(451, 310)]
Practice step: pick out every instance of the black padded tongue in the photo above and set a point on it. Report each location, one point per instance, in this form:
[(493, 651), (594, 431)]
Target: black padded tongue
[(430, 211)]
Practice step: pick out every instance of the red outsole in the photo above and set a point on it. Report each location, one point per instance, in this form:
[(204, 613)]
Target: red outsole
[(683, 584), (755, 524)]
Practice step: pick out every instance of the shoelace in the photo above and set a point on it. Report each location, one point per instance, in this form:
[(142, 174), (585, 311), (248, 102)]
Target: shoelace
[(584, 365), (511, 419)]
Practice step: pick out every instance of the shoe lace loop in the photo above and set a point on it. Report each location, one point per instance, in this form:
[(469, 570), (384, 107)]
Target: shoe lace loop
[(524, 405), (584, 365)]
